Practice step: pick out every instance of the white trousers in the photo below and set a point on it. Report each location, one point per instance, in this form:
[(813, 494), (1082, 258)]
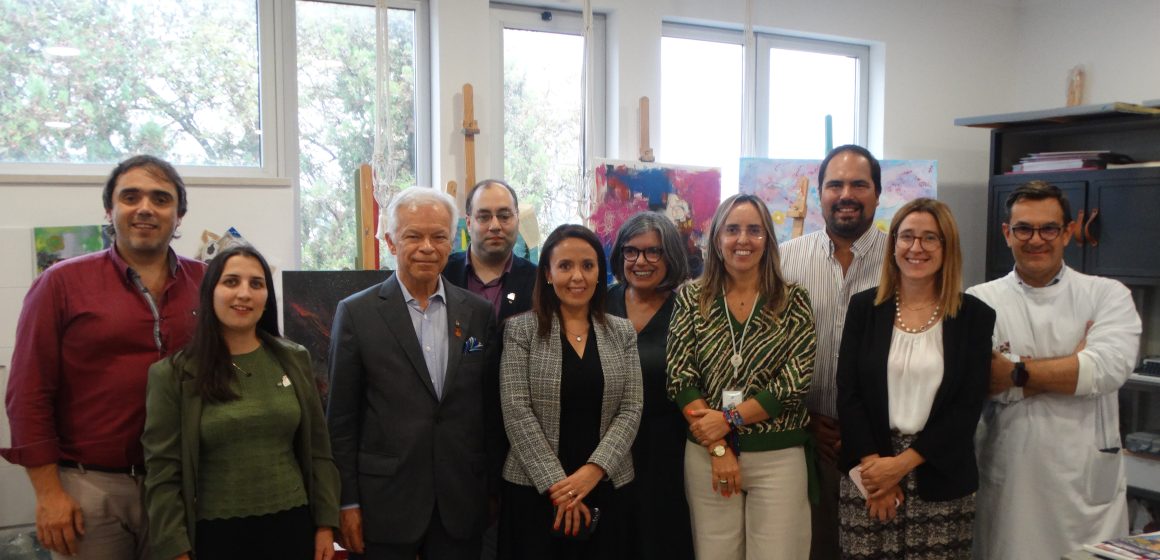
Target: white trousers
[(768, 520)]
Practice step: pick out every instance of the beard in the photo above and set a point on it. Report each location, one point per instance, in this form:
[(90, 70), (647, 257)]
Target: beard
[(848, 228)]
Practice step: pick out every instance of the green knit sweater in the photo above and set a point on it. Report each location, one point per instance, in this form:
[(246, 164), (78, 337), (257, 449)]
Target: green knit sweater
[(247, 445)]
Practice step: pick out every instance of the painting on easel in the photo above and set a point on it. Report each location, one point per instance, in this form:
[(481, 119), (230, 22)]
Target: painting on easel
[(687, 195), (776, 181)]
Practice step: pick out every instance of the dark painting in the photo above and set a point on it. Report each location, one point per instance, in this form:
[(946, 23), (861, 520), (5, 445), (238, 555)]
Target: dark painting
[(308, 304)]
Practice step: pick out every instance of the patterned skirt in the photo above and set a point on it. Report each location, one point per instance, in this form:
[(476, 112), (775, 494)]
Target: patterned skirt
[(921, 530)]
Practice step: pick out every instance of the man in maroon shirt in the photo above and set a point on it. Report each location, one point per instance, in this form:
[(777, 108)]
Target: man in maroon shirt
[(89, 329)]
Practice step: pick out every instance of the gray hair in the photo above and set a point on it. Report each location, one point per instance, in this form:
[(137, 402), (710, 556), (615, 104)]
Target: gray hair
[(673, 248), (415, 197)]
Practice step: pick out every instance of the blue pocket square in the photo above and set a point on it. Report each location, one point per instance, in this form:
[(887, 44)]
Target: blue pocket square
[(471, 345)]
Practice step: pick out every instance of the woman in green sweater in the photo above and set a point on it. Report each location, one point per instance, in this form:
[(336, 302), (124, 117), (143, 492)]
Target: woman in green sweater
[(741, 353), (237, 453)]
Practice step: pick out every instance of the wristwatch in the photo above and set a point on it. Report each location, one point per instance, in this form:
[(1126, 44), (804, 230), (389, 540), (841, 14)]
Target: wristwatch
[(1019, 375), (717, 451)]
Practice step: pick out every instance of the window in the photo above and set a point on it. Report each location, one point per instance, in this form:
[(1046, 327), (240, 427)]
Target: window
[(542, 110), (701, 85), (92, 82), (797, 83), (336, 109), (803, 82)]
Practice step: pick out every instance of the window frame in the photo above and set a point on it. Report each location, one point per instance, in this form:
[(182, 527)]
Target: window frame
[(525, 18), (278, 113), (859, 52), (756, 72)]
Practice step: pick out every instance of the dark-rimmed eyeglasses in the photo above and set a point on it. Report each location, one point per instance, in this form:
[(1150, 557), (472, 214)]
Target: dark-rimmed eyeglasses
[(928, 241), (1024, 232), (651, 254)]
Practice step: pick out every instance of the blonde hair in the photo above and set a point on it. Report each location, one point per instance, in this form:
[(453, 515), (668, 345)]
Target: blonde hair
[(949, 277), (770, 282)]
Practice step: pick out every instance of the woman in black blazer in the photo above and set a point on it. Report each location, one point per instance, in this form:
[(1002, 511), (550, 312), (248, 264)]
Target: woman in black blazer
[(912, 378)]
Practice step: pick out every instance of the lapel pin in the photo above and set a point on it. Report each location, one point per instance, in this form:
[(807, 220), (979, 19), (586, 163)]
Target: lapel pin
[(458, 330), (511, 297)]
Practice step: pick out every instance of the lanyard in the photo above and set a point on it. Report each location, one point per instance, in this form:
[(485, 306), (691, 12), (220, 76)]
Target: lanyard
[(735, 360)]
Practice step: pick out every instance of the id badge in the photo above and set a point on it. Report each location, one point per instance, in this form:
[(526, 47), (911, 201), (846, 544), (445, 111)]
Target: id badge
[(731, 399)]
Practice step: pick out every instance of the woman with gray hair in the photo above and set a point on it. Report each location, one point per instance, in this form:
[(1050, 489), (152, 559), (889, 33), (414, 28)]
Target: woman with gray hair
[(649, 262)]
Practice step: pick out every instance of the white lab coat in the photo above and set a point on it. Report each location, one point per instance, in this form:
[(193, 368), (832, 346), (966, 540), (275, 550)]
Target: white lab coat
[(1045, 486)]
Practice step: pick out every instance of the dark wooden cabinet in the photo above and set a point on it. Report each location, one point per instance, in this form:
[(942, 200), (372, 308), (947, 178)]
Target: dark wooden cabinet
[(1117, 211)]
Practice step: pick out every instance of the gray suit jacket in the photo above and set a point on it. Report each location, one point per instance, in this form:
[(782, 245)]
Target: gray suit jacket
[(530, 398), (400, 450)]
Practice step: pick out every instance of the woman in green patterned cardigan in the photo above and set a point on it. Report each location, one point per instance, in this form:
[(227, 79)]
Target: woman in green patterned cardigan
[(740, 354)]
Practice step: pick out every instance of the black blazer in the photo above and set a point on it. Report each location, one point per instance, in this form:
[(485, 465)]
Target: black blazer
[(519, 281), (401, 450), (948, 440)]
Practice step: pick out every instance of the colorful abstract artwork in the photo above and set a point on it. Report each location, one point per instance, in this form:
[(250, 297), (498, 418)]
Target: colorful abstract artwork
[(775, 181), (687, 195), (55, 244)]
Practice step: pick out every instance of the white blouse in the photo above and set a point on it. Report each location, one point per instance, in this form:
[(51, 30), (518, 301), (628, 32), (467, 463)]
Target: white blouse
[(914, 371)]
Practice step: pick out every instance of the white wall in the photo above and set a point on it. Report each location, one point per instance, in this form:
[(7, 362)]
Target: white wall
[(1117, 42)]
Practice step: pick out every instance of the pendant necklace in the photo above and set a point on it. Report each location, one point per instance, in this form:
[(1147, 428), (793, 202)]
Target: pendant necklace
[(898, 315), (735, 360), (579, 337)]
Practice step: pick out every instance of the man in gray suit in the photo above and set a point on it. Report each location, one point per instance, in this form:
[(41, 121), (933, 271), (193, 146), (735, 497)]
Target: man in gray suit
[(414, 397)]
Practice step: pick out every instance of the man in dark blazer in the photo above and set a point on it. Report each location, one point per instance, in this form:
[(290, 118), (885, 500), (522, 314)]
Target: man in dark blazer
[(412, 373), (488, 268)]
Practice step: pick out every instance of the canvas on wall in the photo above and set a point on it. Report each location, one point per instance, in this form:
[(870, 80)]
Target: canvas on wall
[(55, 244), (687, 195), (309, 299), (775, 182)]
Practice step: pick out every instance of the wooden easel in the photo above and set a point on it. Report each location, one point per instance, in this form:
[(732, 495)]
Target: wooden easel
[(470, 129), (368, 219), (797, 210), (646, 151)]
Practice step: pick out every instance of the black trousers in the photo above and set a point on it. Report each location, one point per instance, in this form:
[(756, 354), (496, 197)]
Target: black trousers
[(285, 535), (436, 544)]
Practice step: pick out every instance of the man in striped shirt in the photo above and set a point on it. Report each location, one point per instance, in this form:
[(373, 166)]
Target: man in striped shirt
[(832, 265)]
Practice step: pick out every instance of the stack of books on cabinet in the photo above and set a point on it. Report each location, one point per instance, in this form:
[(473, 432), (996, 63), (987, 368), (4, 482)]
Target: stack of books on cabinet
[(1082, 160)]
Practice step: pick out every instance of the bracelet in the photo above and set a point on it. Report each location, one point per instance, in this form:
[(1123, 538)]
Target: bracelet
[(733, 418)]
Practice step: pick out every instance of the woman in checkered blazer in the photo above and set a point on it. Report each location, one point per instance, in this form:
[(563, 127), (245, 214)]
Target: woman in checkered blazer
[(570, 387)]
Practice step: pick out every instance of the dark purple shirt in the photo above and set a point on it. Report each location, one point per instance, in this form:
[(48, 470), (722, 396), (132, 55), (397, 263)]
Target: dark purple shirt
[(84, 344), (491, 291)]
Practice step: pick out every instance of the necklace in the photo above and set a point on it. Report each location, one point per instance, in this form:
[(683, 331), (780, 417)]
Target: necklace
[(239, 368), (578, 337), (735, 360), (898, 315)]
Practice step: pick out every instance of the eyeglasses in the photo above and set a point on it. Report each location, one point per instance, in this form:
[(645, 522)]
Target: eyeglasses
[(928, 241), (733, 231), (651, 254), (504, 217), (1024, 232)]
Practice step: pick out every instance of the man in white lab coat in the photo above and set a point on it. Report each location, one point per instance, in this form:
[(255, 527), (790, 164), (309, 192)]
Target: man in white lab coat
[(1051, 476)]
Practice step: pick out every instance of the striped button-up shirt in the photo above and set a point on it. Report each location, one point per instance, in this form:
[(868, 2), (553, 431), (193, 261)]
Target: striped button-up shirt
[(809, 262)]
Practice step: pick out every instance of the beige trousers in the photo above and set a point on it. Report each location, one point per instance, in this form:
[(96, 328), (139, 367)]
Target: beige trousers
[(769, 520), (116, 527)]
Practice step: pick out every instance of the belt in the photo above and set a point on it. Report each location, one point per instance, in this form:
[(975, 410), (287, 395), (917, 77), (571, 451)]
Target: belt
[(133, 470)]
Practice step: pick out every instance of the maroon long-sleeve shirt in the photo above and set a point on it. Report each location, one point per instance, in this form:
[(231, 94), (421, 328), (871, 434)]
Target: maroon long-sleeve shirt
[(84, 343)]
